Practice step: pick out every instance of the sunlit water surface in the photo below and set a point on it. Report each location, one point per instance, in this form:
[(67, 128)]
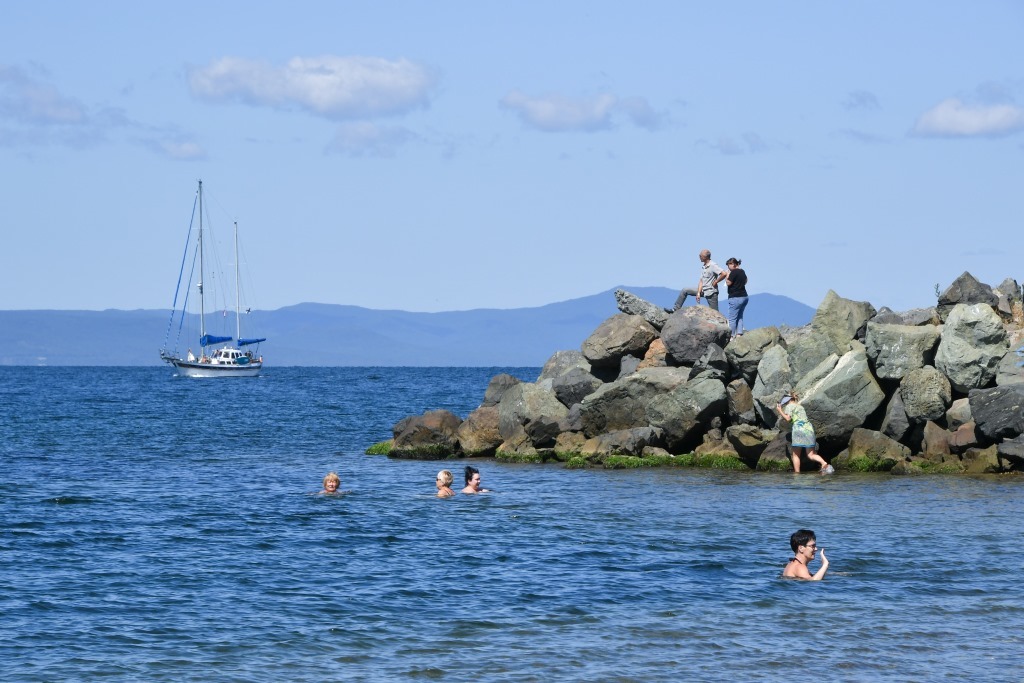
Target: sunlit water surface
[(159, 528)]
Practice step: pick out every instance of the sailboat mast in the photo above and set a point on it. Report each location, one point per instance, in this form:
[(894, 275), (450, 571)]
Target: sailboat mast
[(238, 320), (202, 296)]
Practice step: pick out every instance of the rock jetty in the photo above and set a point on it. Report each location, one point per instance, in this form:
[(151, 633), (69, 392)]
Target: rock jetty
[(929, 390)]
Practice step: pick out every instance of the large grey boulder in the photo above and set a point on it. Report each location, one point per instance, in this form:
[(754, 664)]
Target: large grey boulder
[(631, 304), (973, 342), (774, 378), (926, 394), (895, 350), (836, 324), (713, 364), (562, 362), (478, 434), (746, 351), (533, 408), (959, 413), (573, 386), (965, 290), (1011, 453), (741, 403), (616, 337), (685, 412), (914, 316), (750, 441), (843, 399), (1008, 295), (896, 425), (998, 412), (497, 387), (622, 442), (623, 404), (870, 451), (1011, 368), (434, 434), (689, 331)]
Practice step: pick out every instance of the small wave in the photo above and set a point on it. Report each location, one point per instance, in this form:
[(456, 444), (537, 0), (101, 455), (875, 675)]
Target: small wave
[(71, 500)]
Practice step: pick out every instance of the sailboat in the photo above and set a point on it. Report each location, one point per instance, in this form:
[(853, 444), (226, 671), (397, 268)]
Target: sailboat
[(217, 357)]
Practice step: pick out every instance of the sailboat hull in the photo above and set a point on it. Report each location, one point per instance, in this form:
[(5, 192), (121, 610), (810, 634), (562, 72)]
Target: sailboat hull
[(195, 369)]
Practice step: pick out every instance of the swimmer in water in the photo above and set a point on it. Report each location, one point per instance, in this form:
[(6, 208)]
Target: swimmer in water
[(804, 545), (444, 484), (473, 481), (331, 483)]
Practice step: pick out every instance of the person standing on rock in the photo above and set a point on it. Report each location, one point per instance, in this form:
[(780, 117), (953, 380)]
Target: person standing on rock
[(710, 275), (736, 282), (790, 410)]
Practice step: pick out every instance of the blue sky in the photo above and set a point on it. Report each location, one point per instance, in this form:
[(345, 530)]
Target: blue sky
[(458, 155)]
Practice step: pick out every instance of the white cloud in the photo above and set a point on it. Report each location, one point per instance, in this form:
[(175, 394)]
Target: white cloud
[(954, 118), (26, 100), (557, 113), (369, 139), (329, 86)]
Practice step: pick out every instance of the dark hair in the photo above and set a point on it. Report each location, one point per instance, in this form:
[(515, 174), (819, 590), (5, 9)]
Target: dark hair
[(734, 260), (801, 537), (470, 471)]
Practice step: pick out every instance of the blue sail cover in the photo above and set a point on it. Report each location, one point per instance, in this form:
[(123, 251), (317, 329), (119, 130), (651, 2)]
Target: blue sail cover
[(208, 339), (246, 342)]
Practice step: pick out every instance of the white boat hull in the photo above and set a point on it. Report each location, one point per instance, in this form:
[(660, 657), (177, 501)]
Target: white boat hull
[(197, 369)]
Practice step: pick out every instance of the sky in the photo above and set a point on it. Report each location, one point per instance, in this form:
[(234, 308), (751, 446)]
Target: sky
[(459, 155)]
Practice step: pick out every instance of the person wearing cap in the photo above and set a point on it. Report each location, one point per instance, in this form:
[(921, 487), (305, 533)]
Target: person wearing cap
[(710, 275), (790, 410)]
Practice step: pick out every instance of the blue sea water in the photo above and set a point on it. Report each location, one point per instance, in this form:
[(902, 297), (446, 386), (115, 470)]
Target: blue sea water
[(155, 528)]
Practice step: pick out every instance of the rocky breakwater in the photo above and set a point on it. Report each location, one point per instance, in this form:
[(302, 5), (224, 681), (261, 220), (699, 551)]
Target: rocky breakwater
[(937, 389)]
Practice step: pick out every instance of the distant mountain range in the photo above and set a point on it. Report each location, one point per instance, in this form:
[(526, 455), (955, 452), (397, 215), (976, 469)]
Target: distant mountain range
[(337, 335)]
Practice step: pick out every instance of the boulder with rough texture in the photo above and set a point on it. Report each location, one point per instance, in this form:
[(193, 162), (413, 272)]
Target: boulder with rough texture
[(896, 425), (623, 404), (963, 438), (573, 386), (1011, 453), (713, 364), (965, 290), (998, 412), (773, 380), (935, 444), (959, 413), (1008, 295), (497, 387), (741, 403), (973, 342), (631, 304), (434, 434), (926, 394), (1010, 369), (530, 407), (914, 316), (562, 362), (616, 337), (655, 357), (870, 451), (895, 350), (750, 442), (627, 366), (478, 434), (843, 399), (689, 331), (985, 461), (776, 455), (746, 351), (836, 323), (686, 411), (622, 442)]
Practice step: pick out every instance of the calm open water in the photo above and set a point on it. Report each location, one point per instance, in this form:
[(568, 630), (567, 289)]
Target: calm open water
[(160, 529)]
